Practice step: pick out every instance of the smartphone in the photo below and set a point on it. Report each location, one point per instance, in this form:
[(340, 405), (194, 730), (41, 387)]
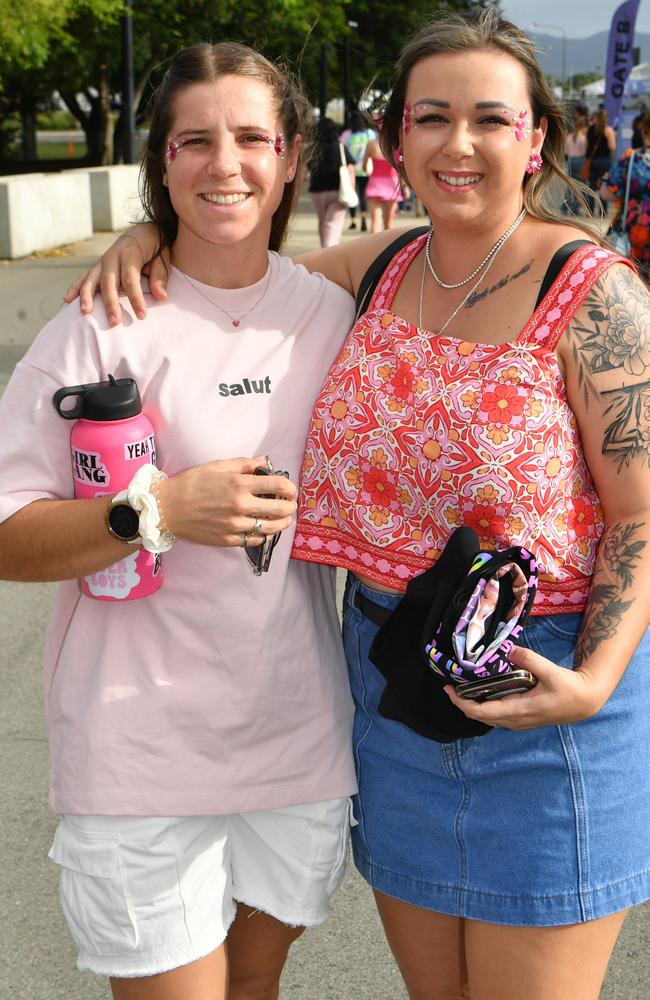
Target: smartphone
[(501, 686)]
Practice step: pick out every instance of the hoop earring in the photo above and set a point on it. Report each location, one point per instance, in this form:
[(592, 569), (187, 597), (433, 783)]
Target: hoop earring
[(534, 164)]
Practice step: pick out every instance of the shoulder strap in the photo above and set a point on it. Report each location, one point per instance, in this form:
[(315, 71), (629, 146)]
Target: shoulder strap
[(373, 275), (559, 259)]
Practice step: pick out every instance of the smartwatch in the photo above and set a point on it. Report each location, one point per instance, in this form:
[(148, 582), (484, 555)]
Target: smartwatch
[(123, 521)]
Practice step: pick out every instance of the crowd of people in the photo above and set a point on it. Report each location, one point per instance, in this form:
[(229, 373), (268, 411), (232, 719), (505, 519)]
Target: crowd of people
[(202, 759)]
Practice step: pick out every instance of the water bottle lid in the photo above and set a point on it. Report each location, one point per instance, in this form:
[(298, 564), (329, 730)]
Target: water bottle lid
[(116, 399)]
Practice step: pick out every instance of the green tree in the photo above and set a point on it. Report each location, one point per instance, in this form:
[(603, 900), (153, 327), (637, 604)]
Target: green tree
[(40, 42), (74, 47)]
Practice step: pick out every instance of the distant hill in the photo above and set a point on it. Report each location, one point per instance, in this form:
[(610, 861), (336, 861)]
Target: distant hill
[(583, 55)]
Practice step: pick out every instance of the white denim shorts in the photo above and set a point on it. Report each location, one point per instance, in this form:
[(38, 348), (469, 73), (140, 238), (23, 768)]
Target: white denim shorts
[(142, 895)]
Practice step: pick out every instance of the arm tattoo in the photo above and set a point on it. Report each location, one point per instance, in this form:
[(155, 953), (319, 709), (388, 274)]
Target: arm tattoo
[(619, 553), (628, 435), (477, 297), (617, 338)]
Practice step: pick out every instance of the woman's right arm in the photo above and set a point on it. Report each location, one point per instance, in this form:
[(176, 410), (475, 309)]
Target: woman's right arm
[(213, 504), (372, 148), (120, 269)]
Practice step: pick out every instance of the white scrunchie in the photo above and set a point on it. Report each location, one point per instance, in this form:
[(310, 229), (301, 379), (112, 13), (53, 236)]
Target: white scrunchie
[(139, 494)]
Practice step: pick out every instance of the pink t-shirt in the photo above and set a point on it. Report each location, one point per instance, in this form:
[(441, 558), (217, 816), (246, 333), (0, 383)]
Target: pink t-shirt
[(222, 692)]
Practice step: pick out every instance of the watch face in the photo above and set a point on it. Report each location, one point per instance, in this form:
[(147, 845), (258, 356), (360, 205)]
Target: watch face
[(124, 521)]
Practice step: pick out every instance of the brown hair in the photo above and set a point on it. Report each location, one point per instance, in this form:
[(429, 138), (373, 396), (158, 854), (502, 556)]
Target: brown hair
[(205, 63), (485, 29)]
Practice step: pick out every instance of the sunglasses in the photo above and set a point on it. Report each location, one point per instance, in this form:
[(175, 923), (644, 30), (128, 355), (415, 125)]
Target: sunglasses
[(259, 556)]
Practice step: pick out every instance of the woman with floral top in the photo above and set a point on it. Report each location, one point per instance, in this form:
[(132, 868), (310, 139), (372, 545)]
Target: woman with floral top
[(467, 394)]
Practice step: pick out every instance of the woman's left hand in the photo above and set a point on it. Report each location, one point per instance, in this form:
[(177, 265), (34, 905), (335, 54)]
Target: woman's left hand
[(560, 695)]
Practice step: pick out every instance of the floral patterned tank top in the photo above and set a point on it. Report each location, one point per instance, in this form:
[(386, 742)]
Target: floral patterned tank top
[(414, 434)]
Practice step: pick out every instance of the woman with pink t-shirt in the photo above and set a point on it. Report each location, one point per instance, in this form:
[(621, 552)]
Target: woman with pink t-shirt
[(498, 379), (200, 738)]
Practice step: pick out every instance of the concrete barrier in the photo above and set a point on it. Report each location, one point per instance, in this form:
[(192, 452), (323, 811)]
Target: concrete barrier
[(42, 211), (114, 194)]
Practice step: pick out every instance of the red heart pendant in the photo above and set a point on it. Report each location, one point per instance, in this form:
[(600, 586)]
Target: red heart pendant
[(235, 322)]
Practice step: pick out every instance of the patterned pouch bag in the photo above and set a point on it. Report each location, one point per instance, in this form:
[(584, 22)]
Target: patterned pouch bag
[(456, 622), (471, 639)]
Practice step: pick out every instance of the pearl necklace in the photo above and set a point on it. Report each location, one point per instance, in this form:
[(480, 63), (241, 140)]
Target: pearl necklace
[(235, 322), (495, 249), (487, 264)]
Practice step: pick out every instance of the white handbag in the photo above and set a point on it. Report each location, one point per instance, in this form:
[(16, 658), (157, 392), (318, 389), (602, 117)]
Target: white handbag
[(347, 193)]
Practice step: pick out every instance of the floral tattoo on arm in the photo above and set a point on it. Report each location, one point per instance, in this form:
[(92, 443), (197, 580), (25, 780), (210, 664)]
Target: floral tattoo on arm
[(617, 336), (618, 556)]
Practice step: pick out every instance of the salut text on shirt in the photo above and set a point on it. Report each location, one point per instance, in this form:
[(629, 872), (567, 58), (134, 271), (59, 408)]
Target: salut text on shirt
[(245, 387)]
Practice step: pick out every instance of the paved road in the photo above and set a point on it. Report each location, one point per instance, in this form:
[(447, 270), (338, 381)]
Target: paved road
[(346, 959)]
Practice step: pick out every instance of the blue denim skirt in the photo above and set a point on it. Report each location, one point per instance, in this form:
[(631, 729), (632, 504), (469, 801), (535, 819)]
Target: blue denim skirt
[(539, 828)]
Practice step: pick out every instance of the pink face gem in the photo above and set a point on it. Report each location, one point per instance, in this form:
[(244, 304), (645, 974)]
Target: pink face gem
[(407, 119), (278, 145), (172, 150), (522, 129)]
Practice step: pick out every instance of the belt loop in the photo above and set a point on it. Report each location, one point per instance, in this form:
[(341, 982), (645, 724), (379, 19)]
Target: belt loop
[(351, 588)]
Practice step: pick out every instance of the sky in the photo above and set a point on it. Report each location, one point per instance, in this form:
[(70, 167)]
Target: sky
[(578, 18)]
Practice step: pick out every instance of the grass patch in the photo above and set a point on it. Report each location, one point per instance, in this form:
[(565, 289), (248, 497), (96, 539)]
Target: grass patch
[(61, 150)]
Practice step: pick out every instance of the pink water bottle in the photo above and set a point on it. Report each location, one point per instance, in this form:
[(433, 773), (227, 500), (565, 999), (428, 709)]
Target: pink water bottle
[(109, 442)]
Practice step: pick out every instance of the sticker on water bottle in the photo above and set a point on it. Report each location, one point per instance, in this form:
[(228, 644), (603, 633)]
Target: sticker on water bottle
[(88, 468), (145, 448), (116, 581)]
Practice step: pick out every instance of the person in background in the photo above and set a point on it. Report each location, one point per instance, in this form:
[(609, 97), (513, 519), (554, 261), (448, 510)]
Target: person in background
[(384, 188), (498, 379), (324, 181), (576, 147), (613, 186), (356, 138), (200, 738), (601, 146)]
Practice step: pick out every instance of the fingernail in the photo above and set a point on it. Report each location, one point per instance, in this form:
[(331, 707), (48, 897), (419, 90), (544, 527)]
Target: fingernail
[(140, 314)]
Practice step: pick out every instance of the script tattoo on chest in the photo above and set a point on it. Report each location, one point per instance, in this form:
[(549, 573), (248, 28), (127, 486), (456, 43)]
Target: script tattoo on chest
[(620, 551), (477, 297), (617, 337)]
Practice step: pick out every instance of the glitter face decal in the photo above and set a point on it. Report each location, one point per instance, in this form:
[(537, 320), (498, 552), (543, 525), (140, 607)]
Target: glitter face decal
[(519, 122), (407, 119), (204, 147), (522, 128), (172, 150)]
